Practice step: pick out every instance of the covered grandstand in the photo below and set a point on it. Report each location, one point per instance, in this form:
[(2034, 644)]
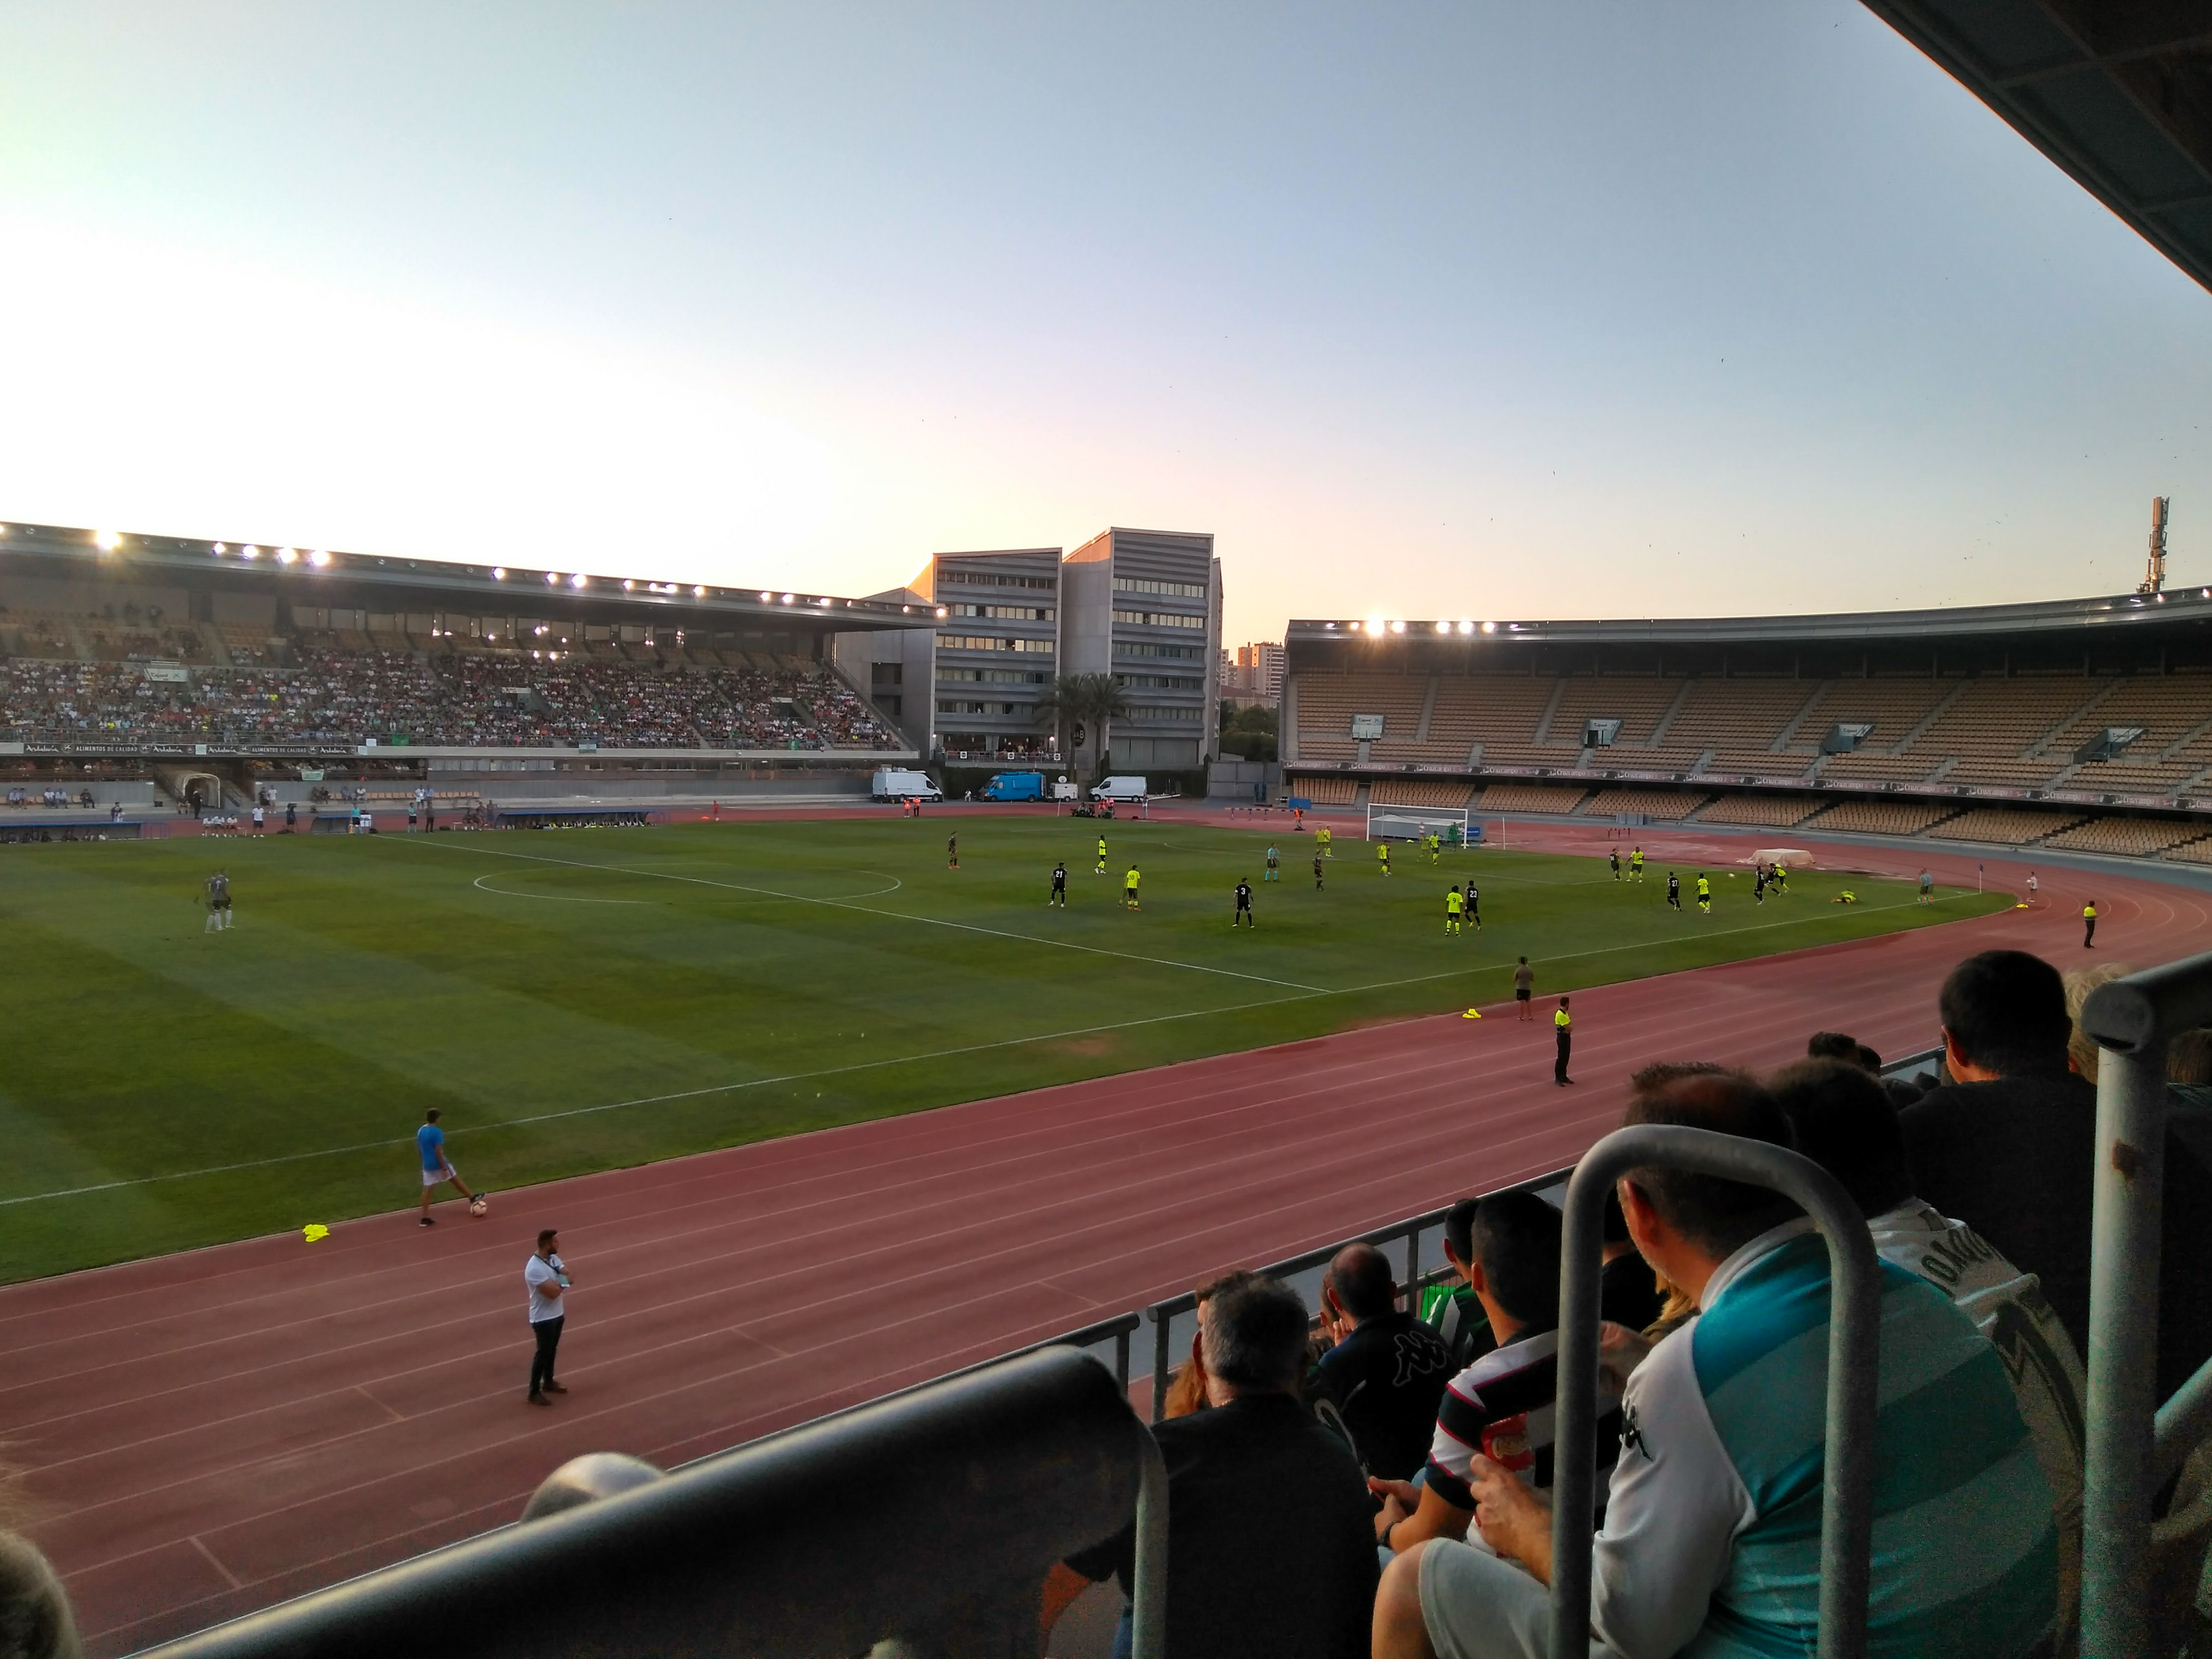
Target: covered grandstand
[(2084, 723), (124, 658)]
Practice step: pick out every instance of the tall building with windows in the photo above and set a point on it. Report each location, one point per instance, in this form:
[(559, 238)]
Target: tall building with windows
[(1145, 605), (1253, 673), (998, 648)]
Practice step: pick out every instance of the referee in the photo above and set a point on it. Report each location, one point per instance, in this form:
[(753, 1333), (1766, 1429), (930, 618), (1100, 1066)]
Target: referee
[(1563, 1032)]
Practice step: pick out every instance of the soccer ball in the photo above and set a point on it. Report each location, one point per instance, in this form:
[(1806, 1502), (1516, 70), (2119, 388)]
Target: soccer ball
[(479, 1206)]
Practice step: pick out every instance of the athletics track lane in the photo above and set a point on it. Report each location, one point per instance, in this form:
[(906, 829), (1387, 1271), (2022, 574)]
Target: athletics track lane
[(209, 1432)]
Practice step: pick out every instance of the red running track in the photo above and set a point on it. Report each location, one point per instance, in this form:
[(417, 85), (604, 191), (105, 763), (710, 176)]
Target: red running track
[(210, 1433)]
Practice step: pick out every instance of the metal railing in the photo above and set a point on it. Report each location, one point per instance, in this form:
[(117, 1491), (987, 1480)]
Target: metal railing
[(1854, 1357), (2133, 1443), (973, 1490)]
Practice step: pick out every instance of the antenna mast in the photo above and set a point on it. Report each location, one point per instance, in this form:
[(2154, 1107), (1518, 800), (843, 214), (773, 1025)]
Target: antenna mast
[(2154, 573)]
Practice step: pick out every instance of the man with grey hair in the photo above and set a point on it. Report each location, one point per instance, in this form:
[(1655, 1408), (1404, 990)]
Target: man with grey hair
[(1267, 1515)]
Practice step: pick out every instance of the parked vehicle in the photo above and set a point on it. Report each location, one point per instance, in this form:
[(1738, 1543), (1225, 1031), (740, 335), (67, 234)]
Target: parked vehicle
[(1013, 786), (1122, 787), (1064, 789), (898, 783)]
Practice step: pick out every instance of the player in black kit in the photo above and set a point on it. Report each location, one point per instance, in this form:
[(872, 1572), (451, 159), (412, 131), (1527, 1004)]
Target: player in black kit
[(1243, 905), (1673, 892), (1059, 884)]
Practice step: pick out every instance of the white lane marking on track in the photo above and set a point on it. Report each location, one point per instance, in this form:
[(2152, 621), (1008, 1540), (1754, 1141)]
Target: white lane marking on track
[(875, 1065), (895, 916)]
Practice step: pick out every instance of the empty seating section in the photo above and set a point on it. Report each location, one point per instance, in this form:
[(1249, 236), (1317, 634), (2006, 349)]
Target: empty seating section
[(2008, 826), (1323, 792), (1891, 707), (1327, 703), (326, 695), (2136, 837), (2194, 851), (1420, 792), (1880, 818), (1775, 812), (1498, 711), (2167, 707), (1667, 804), (1738, 720), (1529, 797), (1637, 703), (1992, 723)]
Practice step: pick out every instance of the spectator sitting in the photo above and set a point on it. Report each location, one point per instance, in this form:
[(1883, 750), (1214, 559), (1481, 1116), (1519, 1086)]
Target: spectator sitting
[(1387, 1371), (1500, 1406), (1267, 1519), (1833, 1045), (1711, 1535), (1462, 1324), (35, 1621), (2009, 1149), (1627, 1289), (1846, 1125)]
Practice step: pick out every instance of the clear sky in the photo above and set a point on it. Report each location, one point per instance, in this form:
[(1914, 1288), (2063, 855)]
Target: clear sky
[(1458, 309)]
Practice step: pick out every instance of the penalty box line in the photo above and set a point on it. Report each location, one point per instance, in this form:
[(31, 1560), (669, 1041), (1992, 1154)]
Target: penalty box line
[(896, 916)]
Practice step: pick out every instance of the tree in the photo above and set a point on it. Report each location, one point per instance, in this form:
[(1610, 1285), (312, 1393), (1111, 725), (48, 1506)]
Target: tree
[(1088, 700)]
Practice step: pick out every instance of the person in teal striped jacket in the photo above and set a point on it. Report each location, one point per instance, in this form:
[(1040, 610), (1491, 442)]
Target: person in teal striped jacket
[(1711, 1540)]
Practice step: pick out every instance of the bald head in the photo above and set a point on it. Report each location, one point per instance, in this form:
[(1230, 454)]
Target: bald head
[(1359, 1282)]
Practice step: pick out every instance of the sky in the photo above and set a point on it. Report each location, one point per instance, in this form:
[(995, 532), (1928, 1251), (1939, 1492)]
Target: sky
[(1595, 309)]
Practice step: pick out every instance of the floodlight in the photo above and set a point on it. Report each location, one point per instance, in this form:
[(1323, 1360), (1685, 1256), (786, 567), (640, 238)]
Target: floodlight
[(218, 549), (576, 580), (942, 611), (318, 558), (1375, 625), (787, 599), (765, 598), (628, 587), (1397, 628), (550, 579), (1490, 627), (107, 541), (698, 592), (1467, 627), (286, 555), (499, 573), (249, 552), (1443, 628)]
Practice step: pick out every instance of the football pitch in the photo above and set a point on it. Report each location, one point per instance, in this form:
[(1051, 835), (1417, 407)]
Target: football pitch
[(581, 1000)]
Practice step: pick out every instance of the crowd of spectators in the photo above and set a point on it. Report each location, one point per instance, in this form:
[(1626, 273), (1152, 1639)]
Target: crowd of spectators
[(1435, 1427), (329, 697)]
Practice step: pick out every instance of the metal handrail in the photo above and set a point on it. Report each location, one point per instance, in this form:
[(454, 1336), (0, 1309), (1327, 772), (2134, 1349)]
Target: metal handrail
[(973, 1489), (2131, 1443), (1854, 1358)]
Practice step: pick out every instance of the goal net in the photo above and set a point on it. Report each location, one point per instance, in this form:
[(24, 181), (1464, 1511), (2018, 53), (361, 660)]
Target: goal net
[(1388, 822)]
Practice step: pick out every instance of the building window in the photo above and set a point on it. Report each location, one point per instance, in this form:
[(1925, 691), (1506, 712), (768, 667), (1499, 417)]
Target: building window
[(1159, 682), (1156, 715), (987, 642), (992, 676), (1187, 653), (1004, 612), (1170, 590), (993, 579), (1159, 619)]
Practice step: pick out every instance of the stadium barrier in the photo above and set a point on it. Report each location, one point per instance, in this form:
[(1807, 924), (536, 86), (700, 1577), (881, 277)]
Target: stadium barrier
[(2134, 1444), (1853, 1368), (971, 1490)]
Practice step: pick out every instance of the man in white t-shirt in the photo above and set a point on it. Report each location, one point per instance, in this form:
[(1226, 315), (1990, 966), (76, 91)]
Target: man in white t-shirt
[(545, 1277), (1845, 1123)]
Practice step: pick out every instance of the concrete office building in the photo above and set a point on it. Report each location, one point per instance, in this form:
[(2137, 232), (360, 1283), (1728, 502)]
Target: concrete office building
[(1145, 605), (996, 649)]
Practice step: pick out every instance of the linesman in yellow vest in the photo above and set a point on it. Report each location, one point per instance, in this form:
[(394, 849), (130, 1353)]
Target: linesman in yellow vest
[(1563, 1036), (2089, 925)]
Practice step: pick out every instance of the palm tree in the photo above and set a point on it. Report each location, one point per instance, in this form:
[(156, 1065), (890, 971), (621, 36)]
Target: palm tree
[(1073, 700)]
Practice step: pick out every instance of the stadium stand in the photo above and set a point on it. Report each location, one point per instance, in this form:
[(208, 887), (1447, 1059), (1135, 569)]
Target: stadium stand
[(1493, 710), (1529, 797), (1664, 804), (1775, 812), (1327, 703), (2006, 826), (1738, 722), (1420, 792), (1880, 818), (2194, 851), (1325, 791), (2131, 837)]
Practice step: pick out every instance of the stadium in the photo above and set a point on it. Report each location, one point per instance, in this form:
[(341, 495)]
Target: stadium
[(1263, 1207)]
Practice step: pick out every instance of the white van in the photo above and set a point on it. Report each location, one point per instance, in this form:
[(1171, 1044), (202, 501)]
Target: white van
[(898, 783), (1120, 788)]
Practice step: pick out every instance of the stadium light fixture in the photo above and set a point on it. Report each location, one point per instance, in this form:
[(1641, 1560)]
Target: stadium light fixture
[(1397, 628), (249, 552), (1443, 628), (1490, 627), (628, 587), (320, 558), (218, 549), (698, 592), (499, 573), (576, 580), (1375, 625), (550, 579), (286, 555), (787, 599), (942, 611), (1465, 627), (765, 598), (107, 541)]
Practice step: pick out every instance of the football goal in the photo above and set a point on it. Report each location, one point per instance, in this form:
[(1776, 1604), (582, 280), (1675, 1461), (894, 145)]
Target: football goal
[(1388, 822)]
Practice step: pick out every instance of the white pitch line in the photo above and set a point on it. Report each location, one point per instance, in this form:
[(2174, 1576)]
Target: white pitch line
[(893, 915), (557, 898)]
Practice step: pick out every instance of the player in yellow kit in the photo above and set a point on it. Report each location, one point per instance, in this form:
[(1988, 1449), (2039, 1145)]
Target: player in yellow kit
[(1636, 865), (1321, 839), (1383, 852), (1704, 894), (1452, 904), (1101, 857), (1129, 888)]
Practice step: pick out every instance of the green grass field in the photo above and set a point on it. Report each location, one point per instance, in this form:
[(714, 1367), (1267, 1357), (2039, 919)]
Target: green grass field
[(581, 1001)]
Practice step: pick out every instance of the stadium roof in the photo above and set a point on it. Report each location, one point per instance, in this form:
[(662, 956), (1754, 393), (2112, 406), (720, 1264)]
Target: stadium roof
[(2119, 93), (365, 581), (2131, 612)]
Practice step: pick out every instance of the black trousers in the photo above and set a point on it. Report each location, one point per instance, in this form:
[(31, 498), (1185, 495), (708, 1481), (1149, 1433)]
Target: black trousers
[(1559, 1064), (547, 1333), (2089, 931)]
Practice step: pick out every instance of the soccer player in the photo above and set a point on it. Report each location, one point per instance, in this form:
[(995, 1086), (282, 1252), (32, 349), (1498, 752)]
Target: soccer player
[(1317, 868), (1322, 837), (1524, 988), (1926, 887), (1383, 852), (1059, 885), (1563, 1034), (1673, 890), (1781, 877), (2031, 887), (218, 904), (952, 852), (2089, 925), (1101, 856), (1129, 888), (1452, 903), (1473, 896), (437, 1168), (1614, 858), (259, 817), (1275, 871), (1636, 865), (1759, 884), (1704, 894), (1435, 845), (291, 816), (1243, 915)]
